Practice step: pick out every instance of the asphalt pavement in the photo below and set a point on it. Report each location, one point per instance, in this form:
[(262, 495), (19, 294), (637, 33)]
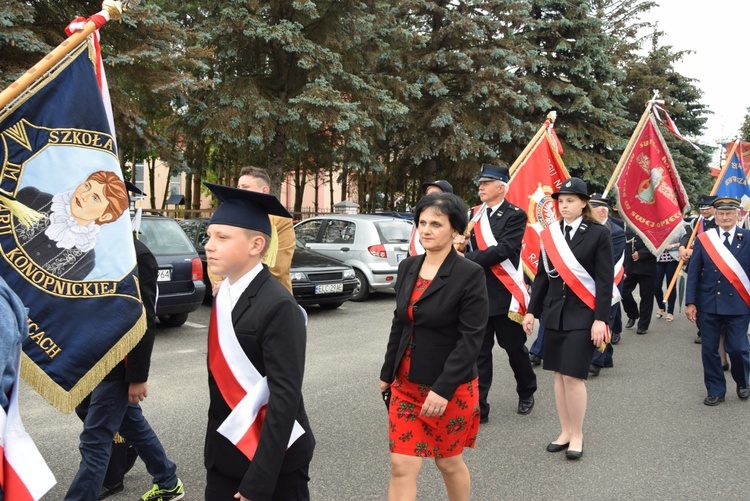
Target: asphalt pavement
[(647, 433)]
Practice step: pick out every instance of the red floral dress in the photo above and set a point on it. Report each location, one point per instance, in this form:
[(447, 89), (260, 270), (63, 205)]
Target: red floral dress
[(437, 437)]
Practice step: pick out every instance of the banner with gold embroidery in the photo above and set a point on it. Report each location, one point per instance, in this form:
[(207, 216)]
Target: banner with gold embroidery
[(74, 267)]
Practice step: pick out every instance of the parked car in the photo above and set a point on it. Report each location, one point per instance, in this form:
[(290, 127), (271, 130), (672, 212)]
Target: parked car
[(180, 280), (316, 279), (372, 244)]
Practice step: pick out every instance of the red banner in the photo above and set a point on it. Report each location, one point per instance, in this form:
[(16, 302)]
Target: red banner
[(743, 150), (651, 197), (541, 174)]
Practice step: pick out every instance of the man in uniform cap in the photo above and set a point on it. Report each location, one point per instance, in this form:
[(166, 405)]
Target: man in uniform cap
[(257, 335), (717, 297), (507, 224), (600, 206)]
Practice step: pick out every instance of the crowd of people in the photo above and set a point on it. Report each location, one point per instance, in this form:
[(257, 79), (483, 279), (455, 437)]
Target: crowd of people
[(462, 288)]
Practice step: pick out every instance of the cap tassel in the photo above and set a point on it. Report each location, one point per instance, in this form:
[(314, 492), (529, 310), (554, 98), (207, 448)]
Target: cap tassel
[(273, 248), (25, 215)]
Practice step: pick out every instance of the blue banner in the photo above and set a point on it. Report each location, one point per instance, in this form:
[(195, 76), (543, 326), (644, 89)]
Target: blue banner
[(734, 183), (74, 268)]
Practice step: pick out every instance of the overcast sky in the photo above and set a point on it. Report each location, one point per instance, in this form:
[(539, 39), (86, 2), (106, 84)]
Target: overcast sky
[(718, 33)]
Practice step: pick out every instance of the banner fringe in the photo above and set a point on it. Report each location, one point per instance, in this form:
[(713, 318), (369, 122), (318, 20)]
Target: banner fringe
[(66, 401)]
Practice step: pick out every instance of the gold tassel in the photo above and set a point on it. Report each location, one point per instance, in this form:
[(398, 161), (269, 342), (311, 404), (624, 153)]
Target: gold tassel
[(118, 439), (26, 215), (269, 258), (516, 317), (601, 347)]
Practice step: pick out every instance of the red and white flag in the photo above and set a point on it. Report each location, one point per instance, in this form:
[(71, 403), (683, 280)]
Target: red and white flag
[(540, 174), (243, 388), (24, 475), (651, 197)]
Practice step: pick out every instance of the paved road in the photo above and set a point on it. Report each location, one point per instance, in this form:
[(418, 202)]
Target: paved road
[(647, 433)]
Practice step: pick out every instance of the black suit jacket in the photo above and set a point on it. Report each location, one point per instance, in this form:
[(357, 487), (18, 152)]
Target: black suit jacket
[(271, 330), (508, 226), (618, 239), (562, 310), (646, 264), (449, 323)]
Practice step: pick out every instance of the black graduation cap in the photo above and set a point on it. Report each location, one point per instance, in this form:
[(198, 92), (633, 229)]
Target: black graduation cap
[(245, 209), (133, 188)]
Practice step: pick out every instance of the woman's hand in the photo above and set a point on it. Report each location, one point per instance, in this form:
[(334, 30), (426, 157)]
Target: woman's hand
[(383, 386), (528, 324), (434, 405), (599, 333)]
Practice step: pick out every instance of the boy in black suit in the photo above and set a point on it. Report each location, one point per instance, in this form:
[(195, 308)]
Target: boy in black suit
[(258, 443)]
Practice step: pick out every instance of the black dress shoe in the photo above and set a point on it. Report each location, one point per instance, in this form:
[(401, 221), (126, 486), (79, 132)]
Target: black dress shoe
[(616, 337), (711, 401), (609, 365), (553, 447), (641, 331), (594, 370), (534, 359), (631, 323), (743, 392), (484, 419), (725, 367), (698, 339), (572, 455), (108, 491), (525, 405)]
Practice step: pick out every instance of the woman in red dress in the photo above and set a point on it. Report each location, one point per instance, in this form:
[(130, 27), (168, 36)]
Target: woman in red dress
[(430, 363)]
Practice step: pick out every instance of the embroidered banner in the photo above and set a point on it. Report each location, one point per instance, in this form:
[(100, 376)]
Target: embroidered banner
[(75, 267)]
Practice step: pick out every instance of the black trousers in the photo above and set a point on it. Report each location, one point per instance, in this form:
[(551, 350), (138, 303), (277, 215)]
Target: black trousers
[(512, 339), (290, 486), (646, 285)]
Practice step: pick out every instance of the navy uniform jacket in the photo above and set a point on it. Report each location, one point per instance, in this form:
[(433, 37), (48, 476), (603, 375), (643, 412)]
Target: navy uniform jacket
[(449, 322), (271, 330), (618, 239), (563, 311), (508, 225), (707, 288)]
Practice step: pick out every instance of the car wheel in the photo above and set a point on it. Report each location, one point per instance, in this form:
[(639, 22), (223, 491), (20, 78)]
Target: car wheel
[(362, 290), (173, 320), (330, 306)]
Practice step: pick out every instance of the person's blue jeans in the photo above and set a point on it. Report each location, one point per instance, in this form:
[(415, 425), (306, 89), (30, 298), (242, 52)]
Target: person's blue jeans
[(109, 412), (665, 270)]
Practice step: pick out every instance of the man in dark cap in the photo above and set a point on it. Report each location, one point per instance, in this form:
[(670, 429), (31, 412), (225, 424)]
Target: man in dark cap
[(258, 443), (706, 222), (717, 296), (496, 239), (600, 207)]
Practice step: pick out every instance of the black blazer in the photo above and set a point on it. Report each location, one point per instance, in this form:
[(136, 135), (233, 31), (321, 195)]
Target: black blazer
[(646, 264), (508, 226), (449, 323), (271, 330), (559, 307)]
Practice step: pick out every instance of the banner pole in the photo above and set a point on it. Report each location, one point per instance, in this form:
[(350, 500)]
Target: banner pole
[(689, 244), (39, 69), (551, 117)]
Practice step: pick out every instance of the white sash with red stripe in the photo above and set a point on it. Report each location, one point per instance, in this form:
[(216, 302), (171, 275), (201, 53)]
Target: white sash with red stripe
[(241, 385), (619, 274), (415, 246), (24, 475), (510, 276), (727, 263), (564, 261)]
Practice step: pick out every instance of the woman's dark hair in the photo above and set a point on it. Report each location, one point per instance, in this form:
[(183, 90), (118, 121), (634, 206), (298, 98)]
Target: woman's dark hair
[(444, 203)]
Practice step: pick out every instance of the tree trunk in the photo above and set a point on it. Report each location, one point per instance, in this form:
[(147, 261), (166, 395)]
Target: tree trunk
[(150, 165), (276, 161)]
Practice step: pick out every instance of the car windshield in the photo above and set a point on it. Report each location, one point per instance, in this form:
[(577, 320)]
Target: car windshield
[(164, 236), (394, 232)]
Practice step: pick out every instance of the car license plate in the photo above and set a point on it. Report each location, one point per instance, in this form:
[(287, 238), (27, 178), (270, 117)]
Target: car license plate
[(164, 275), (329, 288), (400, 257)]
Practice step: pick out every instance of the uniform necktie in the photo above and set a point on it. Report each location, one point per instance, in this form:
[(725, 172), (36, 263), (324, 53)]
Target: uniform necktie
[(726, 240), (489, 212), (568, 229)]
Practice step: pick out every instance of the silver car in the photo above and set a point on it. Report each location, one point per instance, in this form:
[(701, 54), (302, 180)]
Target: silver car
[(373, 245)]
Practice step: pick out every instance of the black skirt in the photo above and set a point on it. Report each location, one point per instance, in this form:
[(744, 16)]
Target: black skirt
[(568, 352)]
